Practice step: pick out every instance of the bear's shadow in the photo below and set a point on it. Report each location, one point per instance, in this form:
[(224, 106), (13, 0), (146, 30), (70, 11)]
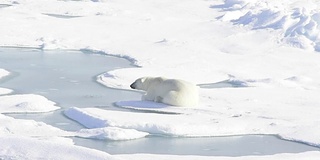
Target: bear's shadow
[(148, 106), (142, 104)]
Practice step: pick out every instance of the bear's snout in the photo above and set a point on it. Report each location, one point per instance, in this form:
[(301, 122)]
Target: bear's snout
[(132, 86)]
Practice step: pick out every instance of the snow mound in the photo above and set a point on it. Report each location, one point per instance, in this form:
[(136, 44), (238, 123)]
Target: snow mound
[(299, 22), (111, 133), (26, 103)]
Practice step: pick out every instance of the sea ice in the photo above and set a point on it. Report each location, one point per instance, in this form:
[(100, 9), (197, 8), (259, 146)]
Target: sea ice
[(111, 133), (200, 41), (20, 147), (5, 91), (26, 103), (297, 20)]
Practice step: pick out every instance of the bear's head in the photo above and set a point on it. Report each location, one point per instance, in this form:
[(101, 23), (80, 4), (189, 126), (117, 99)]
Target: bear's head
[(145, 82), (139, 84)]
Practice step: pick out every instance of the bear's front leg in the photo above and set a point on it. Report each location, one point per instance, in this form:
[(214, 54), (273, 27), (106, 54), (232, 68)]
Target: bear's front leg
[(158, 99), (147, 97)]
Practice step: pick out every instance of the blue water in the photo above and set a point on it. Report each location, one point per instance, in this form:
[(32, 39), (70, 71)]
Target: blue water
[(69, 78)]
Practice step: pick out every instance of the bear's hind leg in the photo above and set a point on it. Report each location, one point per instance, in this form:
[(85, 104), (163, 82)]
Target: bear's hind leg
[(171, 98)]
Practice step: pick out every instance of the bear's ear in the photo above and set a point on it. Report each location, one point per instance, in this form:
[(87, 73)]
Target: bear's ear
[(143, 79)]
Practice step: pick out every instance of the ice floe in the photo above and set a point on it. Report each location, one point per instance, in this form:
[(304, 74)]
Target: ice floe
[(26, 103), (111, 133), (204, 121)]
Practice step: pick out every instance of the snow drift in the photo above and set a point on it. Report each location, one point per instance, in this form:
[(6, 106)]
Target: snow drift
[(298, 21)]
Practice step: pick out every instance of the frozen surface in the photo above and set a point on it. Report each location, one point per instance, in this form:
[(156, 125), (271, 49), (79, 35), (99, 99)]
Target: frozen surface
[(299, 156), (279, 87), (17, 147), (59, 71), (195, 123), (203, 146), (17, 135), (11, 126), (26, 103), (111, 133), (298, 21), (268, 47)]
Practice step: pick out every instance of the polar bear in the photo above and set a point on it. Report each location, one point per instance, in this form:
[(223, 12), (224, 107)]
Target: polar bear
[(169, 91)]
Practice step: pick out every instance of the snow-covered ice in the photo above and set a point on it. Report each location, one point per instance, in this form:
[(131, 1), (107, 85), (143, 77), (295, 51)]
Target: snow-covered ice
[(266, 50), (4, 73), (5, 91), (111, 133), (20, 147), (19, 127), (297, 20), (26, 103)]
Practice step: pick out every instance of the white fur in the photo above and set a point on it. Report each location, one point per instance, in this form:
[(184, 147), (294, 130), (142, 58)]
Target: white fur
[(169, 91)]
